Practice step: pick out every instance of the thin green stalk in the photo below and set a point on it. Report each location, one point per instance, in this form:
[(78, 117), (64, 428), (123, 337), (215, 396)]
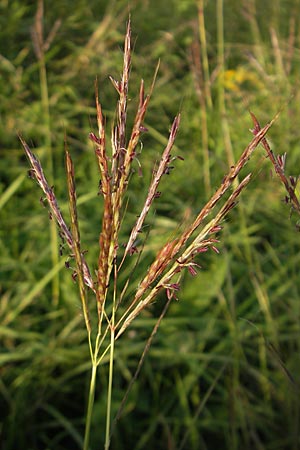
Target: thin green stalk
[(226, 142), (110, 378), (276, 14), (40, 47), (95, 362), (46, 111), (256, 36), (202, 36), (206, 158), (204, 92), (109, 392), (226, 138), (221, 93), (221, 67), (48, 144), (90, 404), (111, 362)]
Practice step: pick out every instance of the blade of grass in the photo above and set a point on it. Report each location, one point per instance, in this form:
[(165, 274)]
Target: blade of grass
[(39, 286), (9, 192)]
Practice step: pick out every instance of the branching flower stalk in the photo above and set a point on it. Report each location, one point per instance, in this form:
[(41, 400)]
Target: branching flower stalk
[(278, 162), (177, 254)]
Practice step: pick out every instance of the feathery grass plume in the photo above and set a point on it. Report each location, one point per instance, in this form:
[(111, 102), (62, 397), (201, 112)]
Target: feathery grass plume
[(169, 257), (107, 222), (226, 183), (163, 168), (78, 254), (177, 254), (114, 177), (165, 259), (65, 234)]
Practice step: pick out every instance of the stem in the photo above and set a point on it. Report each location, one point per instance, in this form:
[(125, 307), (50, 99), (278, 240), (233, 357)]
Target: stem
[(90, 405), (202, 37), (110, 380), (226, 140), (256, 35), (48, 144), (205, 97), (111, 362)]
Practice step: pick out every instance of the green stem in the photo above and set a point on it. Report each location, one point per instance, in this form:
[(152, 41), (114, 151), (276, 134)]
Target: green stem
[(90, 406), (48, 144), (220, 44), (110, 381), (226, 140), (256, 35), (202, 36), (205, 98)]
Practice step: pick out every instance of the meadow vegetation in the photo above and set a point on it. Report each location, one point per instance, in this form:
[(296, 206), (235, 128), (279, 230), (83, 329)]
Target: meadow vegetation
[(223, 366)]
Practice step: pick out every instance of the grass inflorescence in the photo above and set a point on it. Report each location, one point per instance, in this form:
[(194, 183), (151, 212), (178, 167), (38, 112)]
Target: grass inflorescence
[(223, 368), (181, 253)]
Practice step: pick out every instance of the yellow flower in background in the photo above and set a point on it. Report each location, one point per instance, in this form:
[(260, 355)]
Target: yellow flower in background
[(233, 79)]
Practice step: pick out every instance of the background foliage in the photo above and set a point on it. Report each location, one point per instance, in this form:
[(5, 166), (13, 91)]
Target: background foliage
[(224, 368)]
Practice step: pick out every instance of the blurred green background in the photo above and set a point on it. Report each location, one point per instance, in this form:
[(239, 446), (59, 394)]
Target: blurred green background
[(223, 370)]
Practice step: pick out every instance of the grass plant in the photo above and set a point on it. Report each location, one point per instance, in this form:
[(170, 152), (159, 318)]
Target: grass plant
[(223, 367), (178, 254)]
